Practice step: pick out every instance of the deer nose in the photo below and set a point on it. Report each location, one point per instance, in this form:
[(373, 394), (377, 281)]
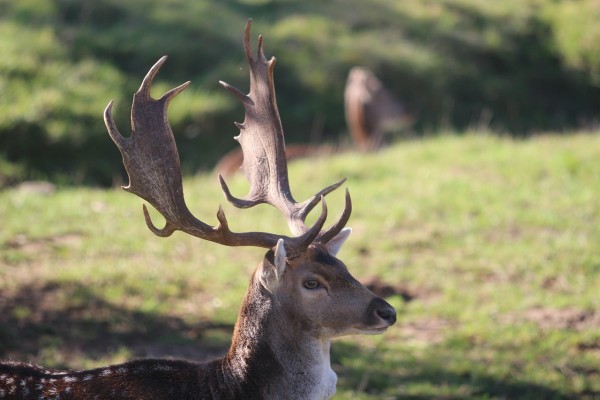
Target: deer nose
[(384, 311)]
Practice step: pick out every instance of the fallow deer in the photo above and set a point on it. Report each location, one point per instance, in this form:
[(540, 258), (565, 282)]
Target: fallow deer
[(371, 109), (299, 297)]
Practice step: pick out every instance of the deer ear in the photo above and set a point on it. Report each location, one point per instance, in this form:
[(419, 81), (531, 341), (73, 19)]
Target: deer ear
[(270, 274), (335, 244)]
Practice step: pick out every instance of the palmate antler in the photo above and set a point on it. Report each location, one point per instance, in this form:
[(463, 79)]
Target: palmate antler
[(152, 163)]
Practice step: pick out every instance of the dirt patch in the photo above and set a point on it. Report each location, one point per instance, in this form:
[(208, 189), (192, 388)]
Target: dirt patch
[(382, 289), (592, 345), (36, 187), (425, 330), (554, 318), (513, 233), (35, 246)]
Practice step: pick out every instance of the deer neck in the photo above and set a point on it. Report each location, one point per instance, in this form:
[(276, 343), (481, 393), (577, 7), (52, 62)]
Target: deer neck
[(272, 357)]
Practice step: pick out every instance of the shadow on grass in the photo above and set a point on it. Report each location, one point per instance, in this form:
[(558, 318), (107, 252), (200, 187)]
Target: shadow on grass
[(69, 318), (427, 377)]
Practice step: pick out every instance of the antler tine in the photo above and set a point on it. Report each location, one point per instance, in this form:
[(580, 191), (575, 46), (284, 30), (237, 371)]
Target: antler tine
[(333, 230), (152, 162), (309, 204), (146, 85), (262, 140)]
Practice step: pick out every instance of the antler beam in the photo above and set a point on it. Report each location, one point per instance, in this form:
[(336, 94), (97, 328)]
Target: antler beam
[(262, 140)]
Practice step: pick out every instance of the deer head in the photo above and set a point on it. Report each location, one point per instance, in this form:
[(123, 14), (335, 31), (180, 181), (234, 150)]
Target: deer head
[(299, 297), (318, 294)]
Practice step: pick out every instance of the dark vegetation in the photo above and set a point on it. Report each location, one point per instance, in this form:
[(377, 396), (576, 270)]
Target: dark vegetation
[(514, 66)]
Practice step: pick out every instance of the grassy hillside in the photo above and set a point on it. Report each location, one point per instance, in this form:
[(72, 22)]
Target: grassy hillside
[(487, 247), (517, 66)]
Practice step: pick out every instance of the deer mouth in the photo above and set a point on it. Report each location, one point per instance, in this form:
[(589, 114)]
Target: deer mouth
[(374, 331), (370, 331)]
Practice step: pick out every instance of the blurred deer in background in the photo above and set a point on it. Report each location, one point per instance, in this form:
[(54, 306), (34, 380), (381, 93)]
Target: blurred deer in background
[(371, 109), (299, 297)]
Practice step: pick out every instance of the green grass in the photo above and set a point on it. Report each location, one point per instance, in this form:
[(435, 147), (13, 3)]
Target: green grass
[(494, 241)]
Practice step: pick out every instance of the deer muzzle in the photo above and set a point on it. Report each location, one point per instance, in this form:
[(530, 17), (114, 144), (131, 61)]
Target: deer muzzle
[(380, 315)]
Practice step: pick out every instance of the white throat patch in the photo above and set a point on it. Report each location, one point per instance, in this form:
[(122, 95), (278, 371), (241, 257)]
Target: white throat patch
[(325, 386)]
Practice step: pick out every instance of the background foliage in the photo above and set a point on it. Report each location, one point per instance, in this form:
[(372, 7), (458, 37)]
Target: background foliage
[(517, 66)]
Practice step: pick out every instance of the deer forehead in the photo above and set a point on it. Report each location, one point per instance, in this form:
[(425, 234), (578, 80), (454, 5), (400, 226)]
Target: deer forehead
[(317, 260)]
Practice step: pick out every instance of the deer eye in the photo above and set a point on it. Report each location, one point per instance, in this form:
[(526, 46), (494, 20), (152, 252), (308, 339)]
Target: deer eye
[(312, 284)]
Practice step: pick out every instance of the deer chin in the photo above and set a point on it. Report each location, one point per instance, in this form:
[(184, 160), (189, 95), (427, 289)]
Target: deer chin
[(332, 334), (369, 331)]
